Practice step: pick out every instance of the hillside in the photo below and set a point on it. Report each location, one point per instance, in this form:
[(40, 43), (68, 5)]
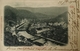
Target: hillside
[(46, 10), (41, 16), (62, 17), (19, 13), (13, 14)]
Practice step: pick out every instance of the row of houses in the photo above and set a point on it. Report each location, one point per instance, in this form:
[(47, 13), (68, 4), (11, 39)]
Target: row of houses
[(63, 24), (44, 24)]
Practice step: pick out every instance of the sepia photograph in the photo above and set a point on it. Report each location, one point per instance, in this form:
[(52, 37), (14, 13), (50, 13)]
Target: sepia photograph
[(31, 26)]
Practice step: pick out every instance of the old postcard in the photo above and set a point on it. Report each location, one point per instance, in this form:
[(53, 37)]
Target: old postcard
[(39, 25)]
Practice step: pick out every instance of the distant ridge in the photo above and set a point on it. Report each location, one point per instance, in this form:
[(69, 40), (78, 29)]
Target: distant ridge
[(46, 10), (14, 14), (50, 14)]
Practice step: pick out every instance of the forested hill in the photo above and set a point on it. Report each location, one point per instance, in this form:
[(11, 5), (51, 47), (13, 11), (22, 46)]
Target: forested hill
[(62, 17), (13, 14), (16, 14)]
